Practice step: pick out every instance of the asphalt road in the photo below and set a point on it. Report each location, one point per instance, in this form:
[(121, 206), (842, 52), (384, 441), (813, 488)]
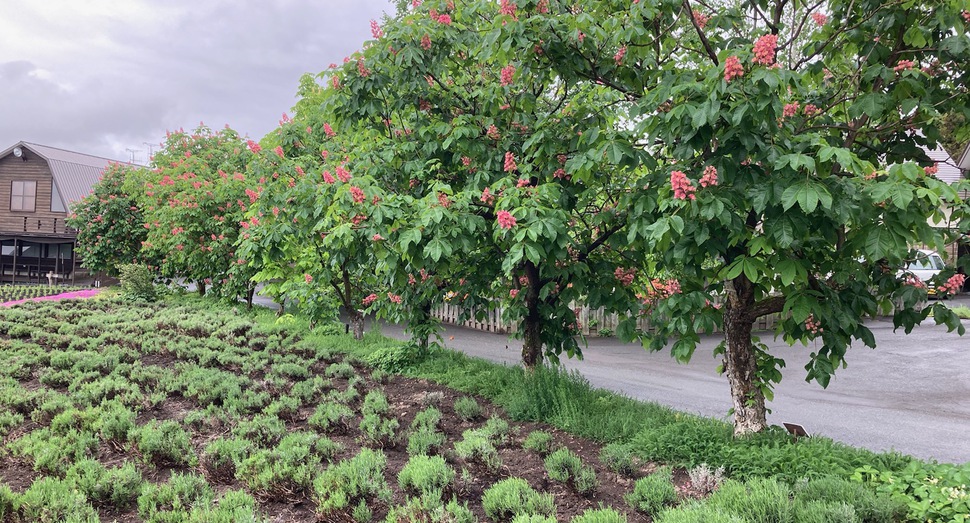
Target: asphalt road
[(911, 393)]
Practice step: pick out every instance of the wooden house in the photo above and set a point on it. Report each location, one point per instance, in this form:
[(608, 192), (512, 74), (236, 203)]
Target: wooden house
[(38, 184)]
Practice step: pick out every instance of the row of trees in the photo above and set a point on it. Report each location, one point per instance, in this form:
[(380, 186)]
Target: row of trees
[(703, 164)]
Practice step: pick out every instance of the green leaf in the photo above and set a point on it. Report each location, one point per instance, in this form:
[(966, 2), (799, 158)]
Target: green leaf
[(788, 269)]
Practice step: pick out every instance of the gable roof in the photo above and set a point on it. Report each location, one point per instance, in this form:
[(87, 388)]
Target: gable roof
[(964, 161), (74, 173), (948, 170)]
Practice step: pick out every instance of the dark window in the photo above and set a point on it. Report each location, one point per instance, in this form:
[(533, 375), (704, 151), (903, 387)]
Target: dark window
[(23, 195)]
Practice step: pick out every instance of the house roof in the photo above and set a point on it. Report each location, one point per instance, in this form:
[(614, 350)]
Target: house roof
[(948, 170), (74, 173), (964, 161)]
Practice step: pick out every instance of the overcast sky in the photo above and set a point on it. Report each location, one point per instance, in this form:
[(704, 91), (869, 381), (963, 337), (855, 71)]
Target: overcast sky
[(100, 76)]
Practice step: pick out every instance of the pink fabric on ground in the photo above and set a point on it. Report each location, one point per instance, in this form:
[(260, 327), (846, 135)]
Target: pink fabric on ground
[(86, 293)]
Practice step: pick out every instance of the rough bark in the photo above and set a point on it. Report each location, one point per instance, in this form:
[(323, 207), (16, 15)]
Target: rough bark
[(532, 324), (357, 324), (200, 285), (249, 298), (740, 359)]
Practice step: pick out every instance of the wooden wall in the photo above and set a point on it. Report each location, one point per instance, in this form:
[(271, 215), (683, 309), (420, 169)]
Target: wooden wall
[(42, 221)]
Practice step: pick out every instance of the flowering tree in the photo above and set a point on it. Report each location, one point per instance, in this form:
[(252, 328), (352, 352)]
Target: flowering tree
[(109, 223), (785, 134), (509, 180), (194, 201)]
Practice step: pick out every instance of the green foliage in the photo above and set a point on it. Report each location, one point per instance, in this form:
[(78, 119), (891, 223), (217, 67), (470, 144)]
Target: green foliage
[(467, 408), (352, 480), (262, 429), (602, 515), (652, 493), (331, 416), (102, 486), (340, 370), (620, 458), (425, 475), (513, 497), (50, 500), (394, 359), (476, 445), (164, 443), (929, 491), (762, 500), (109, 221), (869, 506), (171, 501), (694, 512), (424, 437), (283, 471), (565, 466), (137, 282), (538, 441), (54, 453), (234, 506), (221, 457)]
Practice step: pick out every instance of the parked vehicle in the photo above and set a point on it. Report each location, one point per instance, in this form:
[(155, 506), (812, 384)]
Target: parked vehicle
[(927, 266)]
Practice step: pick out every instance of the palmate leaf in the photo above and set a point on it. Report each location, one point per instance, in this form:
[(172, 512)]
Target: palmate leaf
[(808, 195)]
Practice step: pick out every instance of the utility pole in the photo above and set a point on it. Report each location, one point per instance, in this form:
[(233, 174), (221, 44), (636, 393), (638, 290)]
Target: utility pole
[(131, 154)]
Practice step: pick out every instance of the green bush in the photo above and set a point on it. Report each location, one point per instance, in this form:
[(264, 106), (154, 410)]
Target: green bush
[(171, 501), (375, 402), (352, 480), (114, 421), (340, 370), (280, 472), (427, 419), (425, 509), (565, 466), (164, 443), (513, 497), (102, 486), (533, 518), (221, 457), (824, 512), (602, 515), (652, 493), (50, 500), (538, 441), (467, 408), (425, 475), (54, 453), (620, 458), (330, 417), (762, 500), (695, 512), (475, 445), (497, 429), (394, 359), (263, 430), (869, 506), (378, 430), (235, 506), (137, 282), (9, 501)]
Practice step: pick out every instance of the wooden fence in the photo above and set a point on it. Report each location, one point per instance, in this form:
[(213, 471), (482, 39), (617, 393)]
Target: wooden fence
[(592, 322)]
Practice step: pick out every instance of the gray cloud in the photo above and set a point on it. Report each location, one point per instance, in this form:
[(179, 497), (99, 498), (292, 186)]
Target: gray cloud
[(151, 68)]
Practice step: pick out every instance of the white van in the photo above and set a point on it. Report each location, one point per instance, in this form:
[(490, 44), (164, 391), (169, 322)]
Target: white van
[(927, 265)]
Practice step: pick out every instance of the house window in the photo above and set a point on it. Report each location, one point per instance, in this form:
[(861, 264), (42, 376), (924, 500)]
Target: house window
[(23, 195)]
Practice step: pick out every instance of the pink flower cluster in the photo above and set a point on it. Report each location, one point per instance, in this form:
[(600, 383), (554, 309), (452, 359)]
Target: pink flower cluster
[(307, 278), (487, 197), (507, 73), (492, 133), (659, 290), (253, 146), (444, 200), (966, 16), (811, 110), (625, 276), (328, 131), (932, 169), (709, 179), (618, 57), (357, 194), (505, 219), (903, 65), (954, 284), (425, 42), (377, 238), (513, 293), (701, 19), (790, 110), (371, 298), (813, 326), (328, 178), (683, 189), (820, 19), (764, 49), (510, 165), (343, 174), (732, 68), (506, 7), (394, 298), (912, 281)]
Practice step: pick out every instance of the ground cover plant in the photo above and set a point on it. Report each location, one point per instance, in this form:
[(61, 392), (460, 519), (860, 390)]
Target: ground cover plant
[(25, 292), (182, 410)]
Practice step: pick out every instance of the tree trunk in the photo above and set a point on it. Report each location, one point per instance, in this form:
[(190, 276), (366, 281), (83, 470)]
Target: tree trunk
[(423, 320), (531, 324), (201, 286), (740, 359), (357, 324), (249, 297)]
